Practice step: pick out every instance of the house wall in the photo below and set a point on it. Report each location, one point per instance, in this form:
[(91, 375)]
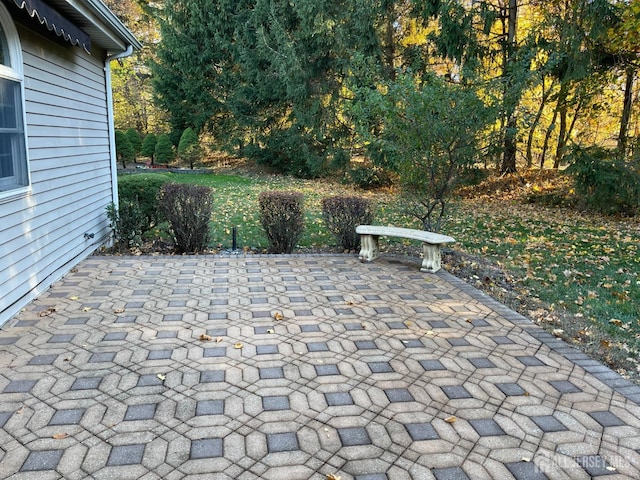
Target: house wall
[(42, 235)]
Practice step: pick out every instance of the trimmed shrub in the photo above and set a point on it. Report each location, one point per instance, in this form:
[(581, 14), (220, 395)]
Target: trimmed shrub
[(124, 149), (127, 224), (342, 215), (142, 190), (606, 185), (164, 150), (282, 218), (189, 148), (134, 139), (148, 148), (188, 210)]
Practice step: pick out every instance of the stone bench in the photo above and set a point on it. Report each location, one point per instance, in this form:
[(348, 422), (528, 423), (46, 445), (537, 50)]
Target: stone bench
[(431, 243)]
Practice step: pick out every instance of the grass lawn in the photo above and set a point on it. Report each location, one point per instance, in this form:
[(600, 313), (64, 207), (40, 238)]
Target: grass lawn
[(577, 274)]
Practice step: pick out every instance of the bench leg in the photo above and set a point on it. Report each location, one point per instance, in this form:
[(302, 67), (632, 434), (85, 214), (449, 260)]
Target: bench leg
[(368, 248), (431, 258)]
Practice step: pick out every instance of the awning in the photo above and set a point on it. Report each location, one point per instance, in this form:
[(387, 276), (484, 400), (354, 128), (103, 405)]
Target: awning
[(56, 23)]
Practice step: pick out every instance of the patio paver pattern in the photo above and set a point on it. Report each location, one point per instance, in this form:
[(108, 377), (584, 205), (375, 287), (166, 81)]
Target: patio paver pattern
[(310, 366)]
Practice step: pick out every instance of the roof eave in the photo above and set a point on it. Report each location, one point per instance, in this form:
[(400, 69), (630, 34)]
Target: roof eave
[(112, 36)]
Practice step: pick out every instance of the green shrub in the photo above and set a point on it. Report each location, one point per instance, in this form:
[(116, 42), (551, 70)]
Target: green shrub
[(148, 148), (127, 224), (282, 218), (142, 189), (189, 147), (134, 140), (369, 177), (342, 215), (606, 185), (188, 209), (124, 149), (164, 150)]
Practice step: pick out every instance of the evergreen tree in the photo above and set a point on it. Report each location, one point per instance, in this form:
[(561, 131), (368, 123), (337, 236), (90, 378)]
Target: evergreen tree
[(270, 74), (134, 140), (124, 150), (189, 147), (164, 149), (194, 60), (148, 148)]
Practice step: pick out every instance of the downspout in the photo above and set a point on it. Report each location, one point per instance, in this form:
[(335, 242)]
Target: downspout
[(110, 120)]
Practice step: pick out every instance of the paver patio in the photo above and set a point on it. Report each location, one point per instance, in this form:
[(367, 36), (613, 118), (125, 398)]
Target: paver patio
[(375, 371)]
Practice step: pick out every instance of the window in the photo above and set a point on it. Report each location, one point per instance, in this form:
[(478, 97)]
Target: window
[(13, 155)]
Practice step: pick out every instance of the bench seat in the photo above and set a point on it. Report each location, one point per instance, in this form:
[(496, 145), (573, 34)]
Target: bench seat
[(431, 243)]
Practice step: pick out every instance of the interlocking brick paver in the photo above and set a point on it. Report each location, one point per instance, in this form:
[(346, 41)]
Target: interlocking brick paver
[(42, 460), (372, 374), (206, 448), (126, 455)]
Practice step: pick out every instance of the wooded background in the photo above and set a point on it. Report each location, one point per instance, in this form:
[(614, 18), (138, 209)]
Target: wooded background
[(298, 84)]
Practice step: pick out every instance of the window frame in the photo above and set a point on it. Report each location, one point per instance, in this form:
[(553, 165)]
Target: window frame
[(20, 183)]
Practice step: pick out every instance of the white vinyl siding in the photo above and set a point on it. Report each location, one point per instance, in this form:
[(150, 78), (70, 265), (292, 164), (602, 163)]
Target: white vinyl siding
[(42, 234)]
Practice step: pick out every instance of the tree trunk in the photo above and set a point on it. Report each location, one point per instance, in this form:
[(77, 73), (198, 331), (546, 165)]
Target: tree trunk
[(626, 110), (561, 109), (511, 100), (510, 148), (389, 47), (536, 122), (547, 137), (562, 137)]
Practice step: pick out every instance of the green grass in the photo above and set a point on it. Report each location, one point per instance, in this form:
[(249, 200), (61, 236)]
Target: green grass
[(235, 201), (582, 265), (585, 265)]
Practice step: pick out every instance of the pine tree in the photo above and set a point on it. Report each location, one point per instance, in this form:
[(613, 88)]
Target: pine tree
[(148, 148), (270, 75), (124, 150), (134, 140), (164, 149), (189, 147)]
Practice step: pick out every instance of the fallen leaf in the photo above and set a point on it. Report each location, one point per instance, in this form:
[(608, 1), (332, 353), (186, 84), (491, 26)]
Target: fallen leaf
[(558, 332), (616, 322), (205, 338), (86, 309), (161, 377), (119, 310), (278, 316), (60, 436), (450, 419), (75, 297), (219, 339), (526, 459), (271, 330), (47, 312), (238, 346), (408, 323), (333, 476)]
